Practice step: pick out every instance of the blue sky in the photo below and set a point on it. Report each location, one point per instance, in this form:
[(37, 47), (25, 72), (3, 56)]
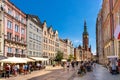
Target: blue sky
[(66, 16)]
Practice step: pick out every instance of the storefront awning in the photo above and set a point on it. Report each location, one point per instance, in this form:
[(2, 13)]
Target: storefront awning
[(112, 56), (64, 60), (39, 59), (3, 57), (29, 60), (13, 60)]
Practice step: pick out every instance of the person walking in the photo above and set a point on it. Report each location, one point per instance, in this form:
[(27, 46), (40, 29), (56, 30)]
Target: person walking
[(73, 65), (7, 71), (63, 65), (119, 65), (68, 66)]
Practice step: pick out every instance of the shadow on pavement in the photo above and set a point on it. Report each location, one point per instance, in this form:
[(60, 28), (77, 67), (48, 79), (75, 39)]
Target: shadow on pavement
[(54, 74)]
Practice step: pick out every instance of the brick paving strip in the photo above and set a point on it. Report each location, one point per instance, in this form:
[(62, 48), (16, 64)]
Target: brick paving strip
[(50, 73)]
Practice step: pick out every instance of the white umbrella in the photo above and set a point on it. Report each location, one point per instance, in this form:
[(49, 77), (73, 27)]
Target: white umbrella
[(13, 60), (64, 60), (29, 60), (39, 59)]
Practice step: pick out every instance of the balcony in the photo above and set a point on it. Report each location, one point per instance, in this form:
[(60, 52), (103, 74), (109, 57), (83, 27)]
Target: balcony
[(10, 54), (23, 55), (45, 56), (19, 42), (17, 55), (9, 39)]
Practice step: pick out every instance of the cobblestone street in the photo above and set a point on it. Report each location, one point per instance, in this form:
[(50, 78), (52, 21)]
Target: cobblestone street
[(57, 73), (99, 73), (50, 73)]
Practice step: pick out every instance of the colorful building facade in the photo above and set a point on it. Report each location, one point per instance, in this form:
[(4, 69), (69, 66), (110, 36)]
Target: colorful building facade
[(34, 36), (50, 42), (110, 16), (14, 31), (63, 48)]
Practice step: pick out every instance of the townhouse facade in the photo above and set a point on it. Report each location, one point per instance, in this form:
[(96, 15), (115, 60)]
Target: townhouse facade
[(50, 42), (110, 16), (13, 30), (70, 47), (1, 29), (34, 36), (99, 39), (63, 48)]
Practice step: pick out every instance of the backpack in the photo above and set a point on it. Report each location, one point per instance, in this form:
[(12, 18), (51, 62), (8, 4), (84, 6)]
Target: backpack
[(119, 63)]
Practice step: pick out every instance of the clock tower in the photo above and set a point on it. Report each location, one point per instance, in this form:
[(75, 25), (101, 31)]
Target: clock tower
[(85, 37)]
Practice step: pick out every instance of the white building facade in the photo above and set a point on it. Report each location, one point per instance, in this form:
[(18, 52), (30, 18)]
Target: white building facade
[(34, 36)]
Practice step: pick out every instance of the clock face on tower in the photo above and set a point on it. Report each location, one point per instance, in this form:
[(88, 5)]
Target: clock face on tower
[(85, 36)]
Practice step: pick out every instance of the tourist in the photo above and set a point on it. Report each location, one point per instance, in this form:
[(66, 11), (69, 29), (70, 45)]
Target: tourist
[(7, 71), (68, 66), (18, 68), (119, 65), (63, 65), (73, 66)]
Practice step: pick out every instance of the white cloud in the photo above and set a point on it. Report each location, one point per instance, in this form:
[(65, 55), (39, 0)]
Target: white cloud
[(77, 42), (94, 52)]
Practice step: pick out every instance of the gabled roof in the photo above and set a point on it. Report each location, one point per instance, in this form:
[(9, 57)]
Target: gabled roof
[(35, 19)]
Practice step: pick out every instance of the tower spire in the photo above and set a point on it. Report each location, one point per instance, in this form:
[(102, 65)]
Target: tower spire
[(85, 37), (85, 28)]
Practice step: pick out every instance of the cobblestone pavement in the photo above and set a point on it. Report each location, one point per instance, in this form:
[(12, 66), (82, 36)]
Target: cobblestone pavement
[(99, 73), (50, 73)]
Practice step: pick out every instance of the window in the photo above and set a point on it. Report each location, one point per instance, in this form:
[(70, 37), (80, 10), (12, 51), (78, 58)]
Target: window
[(39, 38), (16, 28), (33, 46), (34, 36), (33, 53), (16, 51), (31, 26), (17, 16), (44, 40), (44, 32), (39, 48), (0, 30), (9, 36), (30, 45), (9, 24), (22, 31), (16, 38), (37, 29), (22, 40), (9, 50), (9, 11), (30, 53), (30, 35), (118, 17), (22, 20), (0, 46), (22, 51)]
